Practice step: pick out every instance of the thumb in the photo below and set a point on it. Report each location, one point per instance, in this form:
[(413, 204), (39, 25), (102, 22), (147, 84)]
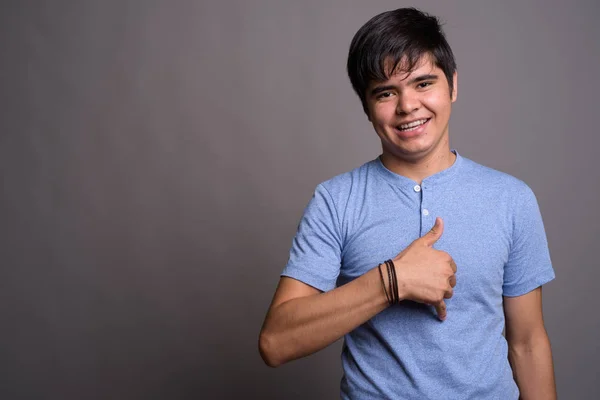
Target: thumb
[(435, 233)]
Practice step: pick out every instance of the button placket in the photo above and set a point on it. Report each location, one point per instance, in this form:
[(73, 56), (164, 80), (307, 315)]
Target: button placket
[(424, 197), (425, 213)]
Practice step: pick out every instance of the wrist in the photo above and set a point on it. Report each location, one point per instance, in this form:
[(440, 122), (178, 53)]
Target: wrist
[(389, 281), (402, 289)]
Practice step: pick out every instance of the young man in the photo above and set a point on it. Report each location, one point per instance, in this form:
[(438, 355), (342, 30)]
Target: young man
[(467, 248)]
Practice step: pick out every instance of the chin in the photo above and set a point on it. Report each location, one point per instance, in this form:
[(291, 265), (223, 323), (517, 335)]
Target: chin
[(410, 152)]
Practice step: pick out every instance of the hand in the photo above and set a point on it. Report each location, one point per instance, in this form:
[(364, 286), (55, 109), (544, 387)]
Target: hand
[(424, 274)]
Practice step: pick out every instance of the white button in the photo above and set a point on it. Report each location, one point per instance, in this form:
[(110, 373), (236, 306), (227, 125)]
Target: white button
[(417, 188), (425, 211)]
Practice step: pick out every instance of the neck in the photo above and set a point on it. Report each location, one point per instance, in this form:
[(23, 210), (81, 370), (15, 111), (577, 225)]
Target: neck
[(419, 168)]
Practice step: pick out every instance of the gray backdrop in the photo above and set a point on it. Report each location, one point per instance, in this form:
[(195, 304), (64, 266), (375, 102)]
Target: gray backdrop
[(156, 157)]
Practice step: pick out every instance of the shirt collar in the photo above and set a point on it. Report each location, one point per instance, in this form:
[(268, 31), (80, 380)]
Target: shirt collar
[(432, 180)]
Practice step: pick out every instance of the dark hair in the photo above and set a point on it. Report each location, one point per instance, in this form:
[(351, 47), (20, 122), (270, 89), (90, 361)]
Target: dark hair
[(402, 35)]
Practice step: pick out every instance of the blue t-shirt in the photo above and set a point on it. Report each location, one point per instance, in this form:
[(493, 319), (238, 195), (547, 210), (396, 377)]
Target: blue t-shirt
[(494, 232)]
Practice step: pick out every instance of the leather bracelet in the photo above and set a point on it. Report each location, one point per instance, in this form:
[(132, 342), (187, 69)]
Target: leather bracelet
[(387, 296), (395, 282)]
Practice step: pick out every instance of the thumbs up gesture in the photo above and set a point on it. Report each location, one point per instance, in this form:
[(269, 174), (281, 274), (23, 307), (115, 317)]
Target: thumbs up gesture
[(424, 274)]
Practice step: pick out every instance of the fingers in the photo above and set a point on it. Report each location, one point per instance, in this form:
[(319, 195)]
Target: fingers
[(440, 308), (452, 281), (453, 265), (448, 293), (435, 233)]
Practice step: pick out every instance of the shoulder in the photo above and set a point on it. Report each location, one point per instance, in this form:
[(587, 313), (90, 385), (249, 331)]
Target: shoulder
[(493, 180), (341, 186)]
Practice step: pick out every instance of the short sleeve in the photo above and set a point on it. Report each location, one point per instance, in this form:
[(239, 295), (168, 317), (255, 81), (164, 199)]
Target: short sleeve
[(315, 256), (529, 265)]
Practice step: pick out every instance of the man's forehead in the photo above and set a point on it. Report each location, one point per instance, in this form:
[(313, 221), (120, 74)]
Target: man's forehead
[(403, 69)]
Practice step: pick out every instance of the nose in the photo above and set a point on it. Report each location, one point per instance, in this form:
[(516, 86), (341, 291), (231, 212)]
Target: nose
[(407, 103)]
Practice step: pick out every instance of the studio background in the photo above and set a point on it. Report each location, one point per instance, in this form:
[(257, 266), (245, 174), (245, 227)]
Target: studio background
[(156, 156)]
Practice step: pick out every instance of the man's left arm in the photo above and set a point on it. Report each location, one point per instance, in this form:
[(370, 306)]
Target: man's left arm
[(529, 351)]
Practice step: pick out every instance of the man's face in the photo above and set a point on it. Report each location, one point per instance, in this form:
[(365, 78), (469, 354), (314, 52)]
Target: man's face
[(421, 99)]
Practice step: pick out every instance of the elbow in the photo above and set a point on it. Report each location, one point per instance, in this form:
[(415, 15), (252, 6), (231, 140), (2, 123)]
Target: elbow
[(269, 350), (530, 343)]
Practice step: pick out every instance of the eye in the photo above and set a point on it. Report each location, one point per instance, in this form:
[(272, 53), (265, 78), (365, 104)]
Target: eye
[(384, 95), (423, 85)]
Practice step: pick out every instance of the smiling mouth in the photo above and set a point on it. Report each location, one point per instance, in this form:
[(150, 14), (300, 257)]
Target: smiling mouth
[(411, 126)]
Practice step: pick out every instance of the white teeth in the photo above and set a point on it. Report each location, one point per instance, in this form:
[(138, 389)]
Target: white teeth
[(413, 124)]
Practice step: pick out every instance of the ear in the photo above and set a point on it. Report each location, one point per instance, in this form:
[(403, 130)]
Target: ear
[(454, 86)]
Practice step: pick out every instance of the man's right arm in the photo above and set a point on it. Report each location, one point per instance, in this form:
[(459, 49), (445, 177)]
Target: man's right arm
[(302, 320)]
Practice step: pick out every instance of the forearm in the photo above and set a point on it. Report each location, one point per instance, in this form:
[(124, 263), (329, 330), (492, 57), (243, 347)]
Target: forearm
[(532, 366), (302, 326)]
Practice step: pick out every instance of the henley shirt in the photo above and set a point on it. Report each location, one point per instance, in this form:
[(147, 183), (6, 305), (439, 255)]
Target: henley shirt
[(492, 229)]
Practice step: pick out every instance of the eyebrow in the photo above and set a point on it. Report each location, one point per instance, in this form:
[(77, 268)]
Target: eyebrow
[(379, 89)]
